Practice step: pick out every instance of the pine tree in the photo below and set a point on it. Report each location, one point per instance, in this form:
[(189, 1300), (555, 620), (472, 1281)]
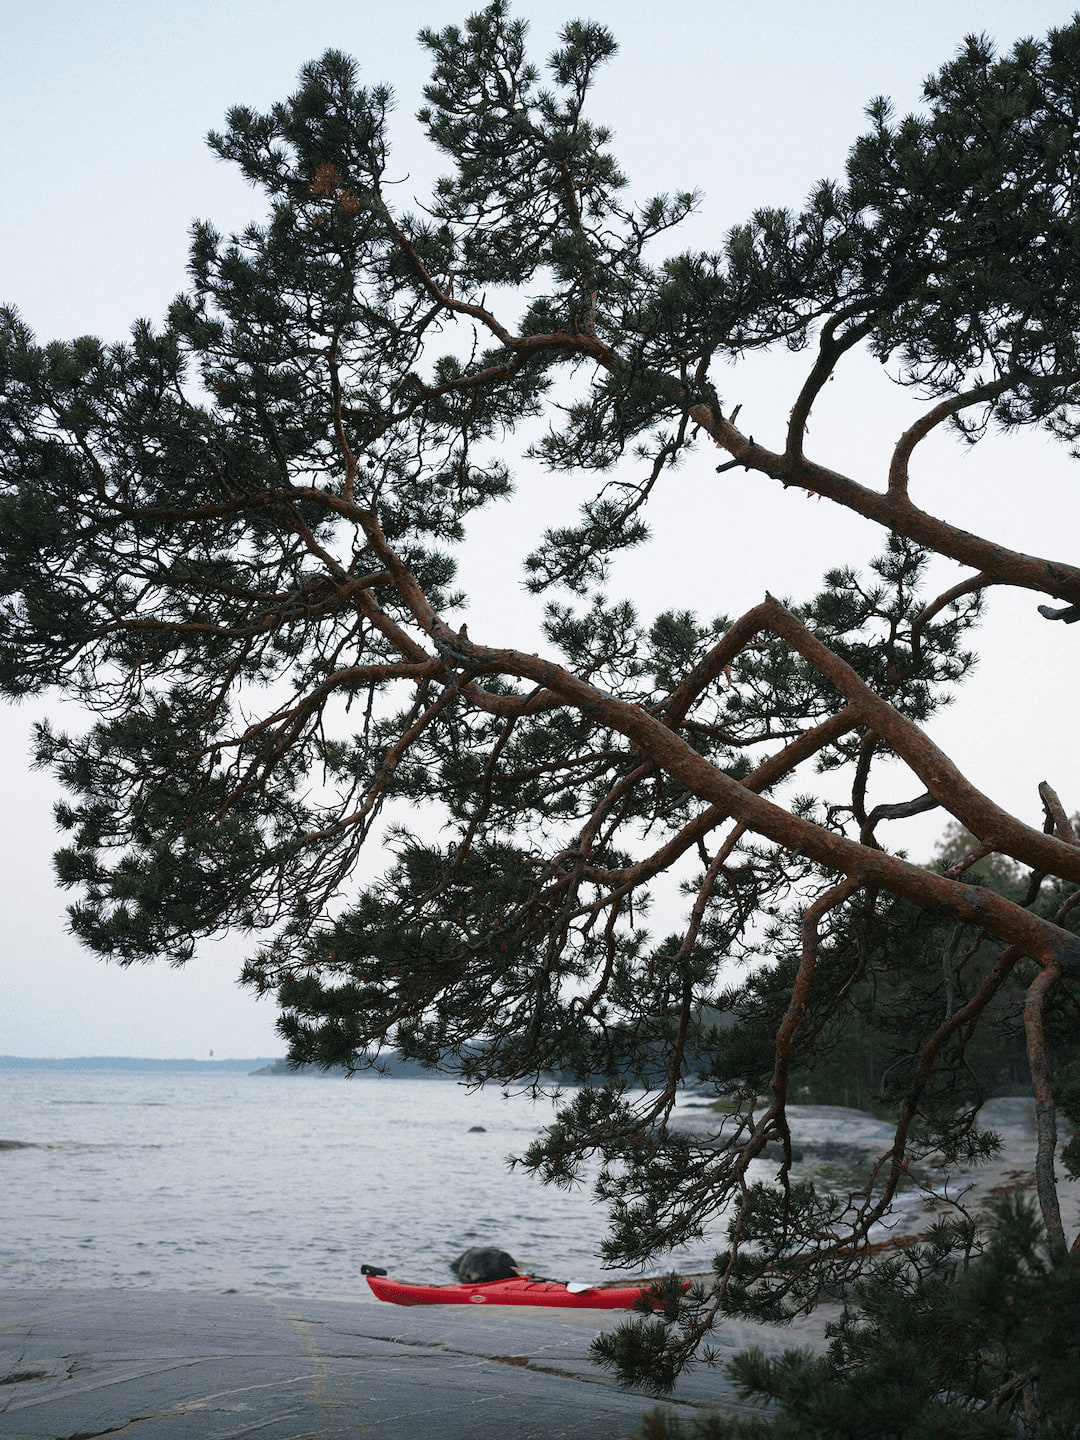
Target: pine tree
[(966, 1336), (233, 539)]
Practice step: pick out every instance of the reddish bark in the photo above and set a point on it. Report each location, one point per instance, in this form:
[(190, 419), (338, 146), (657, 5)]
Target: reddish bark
[(896, 512), (656, 742)]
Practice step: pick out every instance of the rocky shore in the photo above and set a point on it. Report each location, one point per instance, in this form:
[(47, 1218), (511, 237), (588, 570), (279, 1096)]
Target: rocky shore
[(156, 1365), (832, 1134)]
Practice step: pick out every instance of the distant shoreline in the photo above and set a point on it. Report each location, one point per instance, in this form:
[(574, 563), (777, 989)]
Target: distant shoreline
[(130, 1062), (393, 1066)]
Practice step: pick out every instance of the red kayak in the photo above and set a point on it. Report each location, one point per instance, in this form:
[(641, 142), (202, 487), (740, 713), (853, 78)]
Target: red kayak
[(520, 1291)]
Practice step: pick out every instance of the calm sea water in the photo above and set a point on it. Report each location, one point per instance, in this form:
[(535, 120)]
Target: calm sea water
[(273, 1183)]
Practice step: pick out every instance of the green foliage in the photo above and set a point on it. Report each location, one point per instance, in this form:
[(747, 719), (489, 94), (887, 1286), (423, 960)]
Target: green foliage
[(972, 196), (961, 1336)]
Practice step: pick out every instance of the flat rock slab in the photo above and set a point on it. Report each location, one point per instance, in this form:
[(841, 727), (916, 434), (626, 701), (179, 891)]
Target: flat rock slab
[(157, 1365)]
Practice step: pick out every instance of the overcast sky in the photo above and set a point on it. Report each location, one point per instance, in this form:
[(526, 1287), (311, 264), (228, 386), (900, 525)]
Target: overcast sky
[(103, 166)]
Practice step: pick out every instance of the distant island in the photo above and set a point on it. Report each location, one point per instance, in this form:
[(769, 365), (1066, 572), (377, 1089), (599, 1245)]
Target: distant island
[(393, 1065), (131, 1062)]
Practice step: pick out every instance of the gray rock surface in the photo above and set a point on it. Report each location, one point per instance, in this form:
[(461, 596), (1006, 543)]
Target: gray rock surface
[(154, 1365)]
